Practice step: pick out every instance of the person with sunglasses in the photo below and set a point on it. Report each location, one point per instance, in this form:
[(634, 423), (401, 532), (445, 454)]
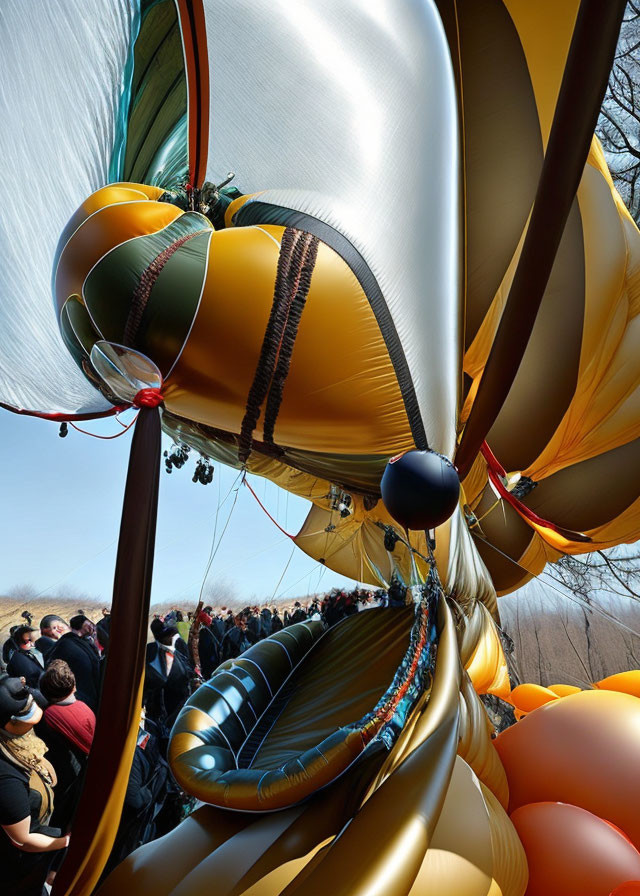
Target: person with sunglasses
[(27, 845), (26, 662)]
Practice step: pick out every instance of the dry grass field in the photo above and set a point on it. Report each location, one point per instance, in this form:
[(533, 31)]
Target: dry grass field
[(555, 640)]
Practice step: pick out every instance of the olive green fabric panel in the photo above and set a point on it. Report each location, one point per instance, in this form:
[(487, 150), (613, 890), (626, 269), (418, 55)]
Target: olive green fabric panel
[(78, 332), (591, 493), (156, 146), (502, 148), (501, 537), (69, 337), (340, 680), (172, 302), (361, 472), (548, 374)]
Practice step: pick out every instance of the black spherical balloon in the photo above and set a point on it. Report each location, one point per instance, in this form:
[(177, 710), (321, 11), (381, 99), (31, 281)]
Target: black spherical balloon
[(420, 489)]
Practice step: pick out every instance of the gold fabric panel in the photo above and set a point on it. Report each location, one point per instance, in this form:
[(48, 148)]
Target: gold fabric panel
[(341, 394)]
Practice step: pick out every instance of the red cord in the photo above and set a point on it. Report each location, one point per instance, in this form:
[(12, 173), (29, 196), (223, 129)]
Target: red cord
[(292, 537), (148, 398), (96, 436)]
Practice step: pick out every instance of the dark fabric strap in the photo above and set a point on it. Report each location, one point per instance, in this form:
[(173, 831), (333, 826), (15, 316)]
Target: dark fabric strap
[(119, 705), (257, 212), (582, 90), (298, 251)]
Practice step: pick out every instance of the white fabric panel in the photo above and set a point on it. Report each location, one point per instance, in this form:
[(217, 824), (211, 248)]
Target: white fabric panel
[(347, 111), (62, 76)]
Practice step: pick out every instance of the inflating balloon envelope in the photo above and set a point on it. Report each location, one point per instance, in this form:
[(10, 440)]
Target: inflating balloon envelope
[(311, 239)]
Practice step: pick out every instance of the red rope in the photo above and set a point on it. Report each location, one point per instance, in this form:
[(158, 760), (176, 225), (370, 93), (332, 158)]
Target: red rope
[(96, 436), (275, 522), (148, 398), (497, 473)]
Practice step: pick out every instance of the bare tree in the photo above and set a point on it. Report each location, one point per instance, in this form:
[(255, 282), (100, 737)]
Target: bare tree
[(615, 571), (619, 124)]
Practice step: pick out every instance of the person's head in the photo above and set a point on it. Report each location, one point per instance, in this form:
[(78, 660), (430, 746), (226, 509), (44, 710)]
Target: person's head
[(241, 621), (57, 682), (164, 632), (19, 712), (103, 630), (23, 637), (52, 626), (82, 625)]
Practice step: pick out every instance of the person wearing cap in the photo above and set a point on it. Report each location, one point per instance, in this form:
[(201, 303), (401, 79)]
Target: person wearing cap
[(27, 779), (26, 662), (82, 657), (52, 628)]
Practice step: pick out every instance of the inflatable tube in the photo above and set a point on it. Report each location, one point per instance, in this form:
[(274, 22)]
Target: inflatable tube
[(276, 724)]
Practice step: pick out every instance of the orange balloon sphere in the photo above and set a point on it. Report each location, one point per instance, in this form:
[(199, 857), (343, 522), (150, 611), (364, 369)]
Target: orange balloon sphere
[(628, 888), (625, 682), (527, 697), (571, 852), (583, 750), (564, 690)]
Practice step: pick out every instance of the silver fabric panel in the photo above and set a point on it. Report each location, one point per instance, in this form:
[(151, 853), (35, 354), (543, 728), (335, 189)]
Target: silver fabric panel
[(347, 112), (467, 576), (62, 73)]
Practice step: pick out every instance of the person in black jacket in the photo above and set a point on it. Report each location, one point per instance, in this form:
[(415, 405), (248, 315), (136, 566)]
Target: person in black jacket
[(276, 621), (27, 844), (209, 651), (266, 622), (84, 662), (26, 662), (167, 675), (235, 641), (52, 628), (9, 645)]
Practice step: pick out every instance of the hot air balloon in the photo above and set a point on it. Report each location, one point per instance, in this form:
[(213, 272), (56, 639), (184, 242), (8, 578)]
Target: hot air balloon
[(372, 252)]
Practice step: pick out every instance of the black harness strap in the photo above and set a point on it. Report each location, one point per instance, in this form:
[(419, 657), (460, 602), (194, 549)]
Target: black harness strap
[(293, 277), (302, 286)]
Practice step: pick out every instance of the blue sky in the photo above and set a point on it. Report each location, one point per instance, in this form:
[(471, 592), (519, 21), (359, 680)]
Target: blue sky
[(62, 500)]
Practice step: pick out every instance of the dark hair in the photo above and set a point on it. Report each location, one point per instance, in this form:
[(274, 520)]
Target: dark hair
[(20, 631), (76, 622), (103, 630), (46, 621), (57, 681)]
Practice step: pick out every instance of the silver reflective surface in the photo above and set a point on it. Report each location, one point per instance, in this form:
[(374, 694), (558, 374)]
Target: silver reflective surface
[(62, 68), (347, 111), (123, 370)]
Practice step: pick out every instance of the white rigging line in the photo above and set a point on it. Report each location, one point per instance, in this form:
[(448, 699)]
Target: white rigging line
[(284, 571), (572, 597)]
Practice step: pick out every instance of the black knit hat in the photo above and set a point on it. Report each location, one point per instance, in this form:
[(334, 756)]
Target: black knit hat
[(15, 699), (160, 629)]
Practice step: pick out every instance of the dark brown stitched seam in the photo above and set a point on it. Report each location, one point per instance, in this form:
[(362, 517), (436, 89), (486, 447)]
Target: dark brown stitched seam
[(142, 292)]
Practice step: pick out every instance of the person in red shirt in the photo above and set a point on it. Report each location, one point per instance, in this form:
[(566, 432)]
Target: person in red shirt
[(67, 728)]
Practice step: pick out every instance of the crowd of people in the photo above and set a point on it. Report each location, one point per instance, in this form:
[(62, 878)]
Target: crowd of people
[(50, 681)]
